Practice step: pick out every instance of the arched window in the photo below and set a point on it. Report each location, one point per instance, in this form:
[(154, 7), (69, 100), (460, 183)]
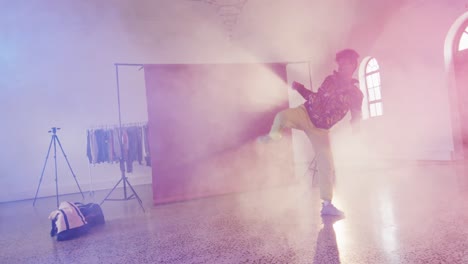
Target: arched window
[(463, 44), (373, 87)]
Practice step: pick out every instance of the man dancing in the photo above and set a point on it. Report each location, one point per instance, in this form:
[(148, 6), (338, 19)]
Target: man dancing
[(337, 95)]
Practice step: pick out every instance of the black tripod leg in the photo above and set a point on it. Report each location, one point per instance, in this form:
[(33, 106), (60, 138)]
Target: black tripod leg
[(69, 166), (56, 173), (134, 193), (43, 170), (115, 186)]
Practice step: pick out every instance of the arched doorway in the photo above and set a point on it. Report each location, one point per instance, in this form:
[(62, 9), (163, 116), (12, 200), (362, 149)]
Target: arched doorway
[(461, 81), (456, 58)]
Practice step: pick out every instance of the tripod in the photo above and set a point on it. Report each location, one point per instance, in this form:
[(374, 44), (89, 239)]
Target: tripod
[(123, 177), (124, 180), (55, 140)]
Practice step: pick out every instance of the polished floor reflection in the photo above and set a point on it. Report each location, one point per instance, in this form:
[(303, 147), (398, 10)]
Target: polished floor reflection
[(402, 213)]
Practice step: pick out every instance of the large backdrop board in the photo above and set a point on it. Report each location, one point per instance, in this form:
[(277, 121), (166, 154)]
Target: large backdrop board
[(203, 123)]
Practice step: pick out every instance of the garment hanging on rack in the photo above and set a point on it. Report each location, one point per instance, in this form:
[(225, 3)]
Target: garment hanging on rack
[(116, 145), (110, 136), (133, 147), (92, 147), (103, 146), (146, 145)]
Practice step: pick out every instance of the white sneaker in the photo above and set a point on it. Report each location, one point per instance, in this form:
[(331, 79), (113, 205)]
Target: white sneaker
[(269, 137), (330, 209)]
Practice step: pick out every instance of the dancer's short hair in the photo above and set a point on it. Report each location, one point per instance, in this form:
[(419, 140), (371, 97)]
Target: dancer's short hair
[(349, 54)]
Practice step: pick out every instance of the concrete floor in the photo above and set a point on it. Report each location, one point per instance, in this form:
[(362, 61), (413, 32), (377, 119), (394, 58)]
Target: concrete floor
[(394, 214)]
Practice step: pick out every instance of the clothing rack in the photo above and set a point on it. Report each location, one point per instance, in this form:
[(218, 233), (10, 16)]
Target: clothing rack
[(104, 147), (103, 144)]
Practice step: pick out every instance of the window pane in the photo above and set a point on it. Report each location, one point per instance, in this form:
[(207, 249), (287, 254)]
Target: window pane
[(378, 96), (371, 95), (378, 107), (463, 45), (375, 65), (369, 81), (369, 66), (372, 65), (373, 80), (376, 79), (372, 109)]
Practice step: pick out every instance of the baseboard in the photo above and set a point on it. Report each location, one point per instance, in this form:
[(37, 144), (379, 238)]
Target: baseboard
[(48, 191)]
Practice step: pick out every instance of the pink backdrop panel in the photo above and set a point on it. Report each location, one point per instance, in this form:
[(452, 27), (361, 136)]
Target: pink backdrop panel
[(203, 123)]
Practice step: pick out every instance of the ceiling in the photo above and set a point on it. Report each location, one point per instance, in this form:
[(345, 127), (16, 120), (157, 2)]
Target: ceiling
[(366, 12)]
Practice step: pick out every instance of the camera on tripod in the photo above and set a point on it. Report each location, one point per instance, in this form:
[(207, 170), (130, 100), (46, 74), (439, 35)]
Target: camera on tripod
[(54, 130)]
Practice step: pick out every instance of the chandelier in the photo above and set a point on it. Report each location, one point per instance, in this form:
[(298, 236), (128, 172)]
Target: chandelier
[(228, 11)]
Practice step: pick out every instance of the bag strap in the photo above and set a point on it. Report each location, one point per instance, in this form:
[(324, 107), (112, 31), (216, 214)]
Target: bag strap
[(65, 218), (53, 230), (78, 212)]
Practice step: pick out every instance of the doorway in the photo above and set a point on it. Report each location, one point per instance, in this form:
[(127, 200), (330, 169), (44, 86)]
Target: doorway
[(461, 83), (456, 63)]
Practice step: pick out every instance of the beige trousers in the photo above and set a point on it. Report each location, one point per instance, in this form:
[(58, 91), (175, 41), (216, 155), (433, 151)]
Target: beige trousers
[(298, 118)]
